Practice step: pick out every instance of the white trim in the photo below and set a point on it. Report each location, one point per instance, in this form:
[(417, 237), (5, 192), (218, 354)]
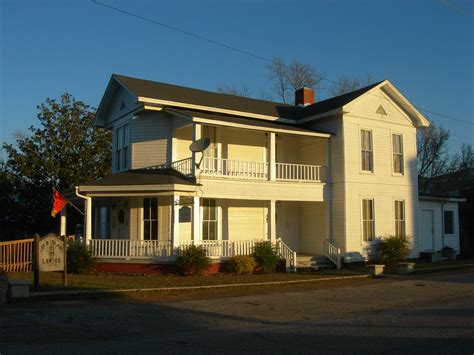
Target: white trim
[(213, 109), (259, 128), (336, 111), (138, 188), (396, 133)]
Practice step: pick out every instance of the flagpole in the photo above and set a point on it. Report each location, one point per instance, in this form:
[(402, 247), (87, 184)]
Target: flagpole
[(73, 205)]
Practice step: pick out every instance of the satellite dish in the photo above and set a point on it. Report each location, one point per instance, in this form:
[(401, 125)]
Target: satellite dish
[(199, 145)]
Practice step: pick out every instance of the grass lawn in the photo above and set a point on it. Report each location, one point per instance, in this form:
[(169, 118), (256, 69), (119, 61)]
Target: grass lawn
[(51, 281)]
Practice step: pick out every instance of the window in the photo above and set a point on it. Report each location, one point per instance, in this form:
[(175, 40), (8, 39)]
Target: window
[(448, 222), (209, 221), (400, 219), (368, 220), (366, 150), (121, 148), (397, 142), (150, 219)]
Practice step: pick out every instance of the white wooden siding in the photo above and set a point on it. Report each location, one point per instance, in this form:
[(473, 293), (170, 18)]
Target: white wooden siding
[(288, 223), (313, 226), (241, 144), (150, 139), (337, 187), (243, 220), (115, 112)]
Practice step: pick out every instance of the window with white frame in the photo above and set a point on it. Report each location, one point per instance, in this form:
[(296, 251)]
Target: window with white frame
[(121, 148), (397, 143), (150, 219), (400, 218), (448, 222), (367, 161), (368, 220), (209, 220)]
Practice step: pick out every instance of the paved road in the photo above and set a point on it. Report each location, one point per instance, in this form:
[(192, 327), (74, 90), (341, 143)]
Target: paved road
[(425, 314)]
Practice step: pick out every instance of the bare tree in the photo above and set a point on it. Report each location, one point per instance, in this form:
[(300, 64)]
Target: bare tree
[(287, 79), (433, 158), (464, 160), (243, 90), (346, 84)]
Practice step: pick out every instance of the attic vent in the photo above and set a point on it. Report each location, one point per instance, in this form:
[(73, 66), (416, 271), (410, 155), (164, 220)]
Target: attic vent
[(381, 111), (122, 105)]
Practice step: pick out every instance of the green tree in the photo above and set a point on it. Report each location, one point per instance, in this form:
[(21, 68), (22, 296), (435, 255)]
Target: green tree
[(64, 151)]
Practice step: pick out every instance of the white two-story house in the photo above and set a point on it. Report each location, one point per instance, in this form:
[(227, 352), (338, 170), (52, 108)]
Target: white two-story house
[(322, 178)]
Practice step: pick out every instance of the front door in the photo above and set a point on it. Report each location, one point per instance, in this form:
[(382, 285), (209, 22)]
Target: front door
[(426, 241)]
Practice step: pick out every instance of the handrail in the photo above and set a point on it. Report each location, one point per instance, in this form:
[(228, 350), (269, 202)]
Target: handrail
[(287, 253), (332, 252)]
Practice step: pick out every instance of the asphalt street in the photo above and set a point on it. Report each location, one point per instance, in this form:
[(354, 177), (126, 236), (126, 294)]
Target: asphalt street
[(426, 314)]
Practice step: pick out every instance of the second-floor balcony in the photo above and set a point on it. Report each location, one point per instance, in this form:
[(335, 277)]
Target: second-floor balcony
[(252, 170)]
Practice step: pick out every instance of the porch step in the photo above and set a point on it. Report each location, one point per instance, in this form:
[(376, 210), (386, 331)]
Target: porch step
[(313, 263)]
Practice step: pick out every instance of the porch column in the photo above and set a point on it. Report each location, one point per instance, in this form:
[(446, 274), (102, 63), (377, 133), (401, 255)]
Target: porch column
[(175, 220), (272, 221), (62, 228), (88, 218), (197, 128), (196, 228), (272, 156)]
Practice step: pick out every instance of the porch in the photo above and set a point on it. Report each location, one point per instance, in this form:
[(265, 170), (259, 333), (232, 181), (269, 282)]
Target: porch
[(249, 154)]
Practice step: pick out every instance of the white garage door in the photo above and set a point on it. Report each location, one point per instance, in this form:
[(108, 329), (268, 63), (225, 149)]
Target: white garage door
[(426, 241)]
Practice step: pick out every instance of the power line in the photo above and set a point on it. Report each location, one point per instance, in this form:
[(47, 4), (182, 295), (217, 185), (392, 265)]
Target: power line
[(241, 51)]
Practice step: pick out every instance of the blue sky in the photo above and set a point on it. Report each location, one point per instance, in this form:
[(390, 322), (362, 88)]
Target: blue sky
[(424, 47)]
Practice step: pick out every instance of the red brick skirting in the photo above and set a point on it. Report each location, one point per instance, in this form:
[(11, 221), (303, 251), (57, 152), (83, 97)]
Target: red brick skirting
[(135, 268)]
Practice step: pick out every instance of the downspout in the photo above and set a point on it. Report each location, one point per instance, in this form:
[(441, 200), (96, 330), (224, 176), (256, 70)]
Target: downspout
[(88, 215)]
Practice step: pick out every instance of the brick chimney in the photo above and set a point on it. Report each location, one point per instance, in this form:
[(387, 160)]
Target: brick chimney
[(304, 97)]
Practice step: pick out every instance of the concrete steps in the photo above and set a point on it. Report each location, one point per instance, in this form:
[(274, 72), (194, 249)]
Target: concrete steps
[(313, 263)]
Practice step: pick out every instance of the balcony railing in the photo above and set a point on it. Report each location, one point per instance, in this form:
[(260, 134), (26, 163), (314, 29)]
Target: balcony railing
[(300, 172), (249, 170), (238, 169)]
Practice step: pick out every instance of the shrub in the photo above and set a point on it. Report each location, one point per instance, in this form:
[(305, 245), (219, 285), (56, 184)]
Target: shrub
[(243, 264), (79, 258), (392, 249), (192, 260), (265, 256)]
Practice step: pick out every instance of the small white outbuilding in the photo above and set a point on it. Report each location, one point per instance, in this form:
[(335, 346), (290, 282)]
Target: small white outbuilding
[(438, 223)]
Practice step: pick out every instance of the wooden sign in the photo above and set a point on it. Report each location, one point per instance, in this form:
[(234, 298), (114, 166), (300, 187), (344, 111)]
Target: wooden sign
[(51, 254)]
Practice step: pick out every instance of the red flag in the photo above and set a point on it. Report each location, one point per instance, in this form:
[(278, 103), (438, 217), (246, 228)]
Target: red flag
[(59, 202)]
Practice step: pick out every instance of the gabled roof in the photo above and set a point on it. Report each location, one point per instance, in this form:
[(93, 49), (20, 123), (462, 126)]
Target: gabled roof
[(333, 103), (147, 89), (167, 95)]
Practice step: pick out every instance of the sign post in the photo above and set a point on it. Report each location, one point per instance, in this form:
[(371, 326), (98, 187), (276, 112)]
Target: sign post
[(50, 255)]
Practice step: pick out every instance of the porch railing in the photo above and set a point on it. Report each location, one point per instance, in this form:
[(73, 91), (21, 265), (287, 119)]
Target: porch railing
[(300, 172), (224, 248), (332, 252), (124, 248), (285, 252), (242, 169)]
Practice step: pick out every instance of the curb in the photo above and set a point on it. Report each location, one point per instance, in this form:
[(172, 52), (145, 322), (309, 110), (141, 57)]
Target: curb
[(87, 292), (443, 268)]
